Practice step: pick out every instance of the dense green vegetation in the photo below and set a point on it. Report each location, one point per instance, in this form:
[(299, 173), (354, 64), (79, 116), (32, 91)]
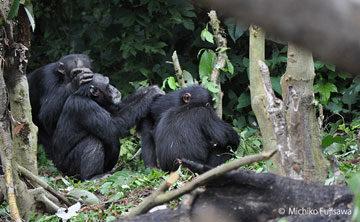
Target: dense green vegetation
[(132, 40)]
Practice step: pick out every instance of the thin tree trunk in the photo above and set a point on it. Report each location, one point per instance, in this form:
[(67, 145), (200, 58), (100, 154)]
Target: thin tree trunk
[(306, 157), (259, 102)]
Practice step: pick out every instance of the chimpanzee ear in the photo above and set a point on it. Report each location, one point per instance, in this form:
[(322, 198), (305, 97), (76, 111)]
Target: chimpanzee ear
[(94, 91), (186, 97), (61, 68)]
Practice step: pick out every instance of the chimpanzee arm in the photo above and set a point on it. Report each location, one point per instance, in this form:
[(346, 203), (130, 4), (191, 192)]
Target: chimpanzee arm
[(135, 107), (92, 118), (217, 130)]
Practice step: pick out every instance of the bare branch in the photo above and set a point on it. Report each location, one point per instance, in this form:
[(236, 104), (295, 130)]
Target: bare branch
[(221, 58), (178, 70)]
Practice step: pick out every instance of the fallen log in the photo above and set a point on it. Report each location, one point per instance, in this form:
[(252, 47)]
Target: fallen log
[(247, 196)]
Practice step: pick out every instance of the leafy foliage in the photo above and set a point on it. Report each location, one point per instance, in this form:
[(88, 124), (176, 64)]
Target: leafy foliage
[(123, 36)]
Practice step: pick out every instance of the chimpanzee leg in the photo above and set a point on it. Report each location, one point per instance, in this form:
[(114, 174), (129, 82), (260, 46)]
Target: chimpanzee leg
[(148, 152), (92, 159), (85, 160)]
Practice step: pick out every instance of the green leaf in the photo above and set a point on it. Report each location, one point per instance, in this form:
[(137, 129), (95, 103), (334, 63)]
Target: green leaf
[(275, 82), (334, 148), (344, 76), (334, 107), (14, 9), (325, 89), (230, 66), (244, 100), (172, 83), (222, 49), (330, 67), (110, 218), (189, 24), (84, 196), (350, 96), (212, 87), (328, 140), (189, 80), (116, 197), (245, 62), (206, 63), (206, 35), (318, 65), (235, 29), (354, 183)]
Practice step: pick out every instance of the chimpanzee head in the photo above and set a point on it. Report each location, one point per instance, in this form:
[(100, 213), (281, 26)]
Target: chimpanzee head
[(72, 65), (102, 92), (197, 95)]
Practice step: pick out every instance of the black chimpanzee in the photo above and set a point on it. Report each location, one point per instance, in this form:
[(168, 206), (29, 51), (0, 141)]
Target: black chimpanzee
[(86, 139), (183, 124), (50, 86)]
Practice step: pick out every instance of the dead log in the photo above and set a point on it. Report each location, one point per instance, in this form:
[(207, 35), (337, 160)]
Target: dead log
[(246, 196)]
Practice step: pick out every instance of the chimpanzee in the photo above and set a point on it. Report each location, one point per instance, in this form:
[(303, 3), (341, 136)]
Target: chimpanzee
[(86, 139), (183, 124), (50, 86)]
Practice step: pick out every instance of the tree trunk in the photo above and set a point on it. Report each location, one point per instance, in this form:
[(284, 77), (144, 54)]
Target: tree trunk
[(18, 133), (289, 124), (305, 155), (259, 103)]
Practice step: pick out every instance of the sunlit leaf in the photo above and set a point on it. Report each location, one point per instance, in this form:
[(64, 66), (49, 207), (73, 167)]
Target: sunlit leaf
[(30, 15), (206, 63), (230, 67), (84, 196), (172, 83), (206, 35), (189, 80), (212, 87)]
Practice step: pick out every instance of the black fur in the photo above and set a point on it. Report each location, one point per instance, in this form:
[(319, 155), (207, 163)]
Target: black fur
[(190, 130), (49, 88), (86, 140)]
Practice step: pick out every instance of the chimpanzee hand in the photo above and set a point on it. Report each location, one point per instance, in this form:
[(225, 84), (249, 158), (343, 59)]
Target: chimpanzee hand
[(152, 91), (80, 76)]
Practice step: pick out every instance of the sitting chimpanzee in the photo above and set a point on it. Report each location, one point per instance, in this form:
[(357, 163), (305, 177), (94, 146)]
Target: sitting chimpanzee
[(49, 88), (183, 124), (86, 139)]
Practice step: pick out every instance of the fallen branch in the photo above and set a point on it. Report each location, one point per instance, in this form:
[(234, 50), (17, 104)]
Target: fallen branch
[(159, 197), (46, 186), (149, 202), (247, 196)]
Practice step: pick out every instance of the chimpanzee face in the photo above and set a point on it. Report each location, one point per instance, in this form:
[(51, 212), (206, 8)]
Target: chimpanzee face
[(102, 92), (72, 65)]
